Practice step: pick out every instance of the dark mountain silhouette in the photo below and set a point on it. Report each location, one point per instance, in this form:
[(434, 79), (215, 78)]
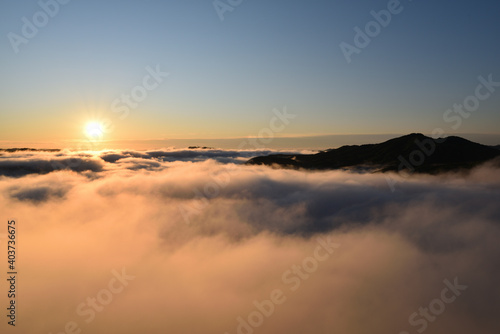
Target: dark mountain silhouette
[(25, 149), (200, 148), (414, 153)]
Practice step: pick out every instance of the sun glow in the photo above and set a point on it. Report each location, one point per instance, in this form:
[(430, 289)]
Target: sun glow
[(94, 130)]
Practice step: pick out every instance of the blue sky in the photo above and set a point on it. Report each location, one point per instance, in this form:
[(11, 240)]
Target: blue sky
[(226, 77)]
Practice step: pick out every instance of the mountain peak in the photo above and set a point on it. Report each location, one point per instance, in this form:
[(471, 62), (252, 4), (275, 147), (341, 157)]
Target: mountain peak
[(415, 152)]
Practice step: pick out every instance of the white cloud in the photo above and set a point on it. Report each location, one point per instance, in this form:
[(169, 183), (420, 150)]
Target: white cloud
[(396, 247)]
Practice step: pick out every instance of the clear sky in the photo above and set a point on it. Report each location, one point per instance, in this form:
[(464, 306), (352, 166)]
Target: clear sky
[(226, 76)]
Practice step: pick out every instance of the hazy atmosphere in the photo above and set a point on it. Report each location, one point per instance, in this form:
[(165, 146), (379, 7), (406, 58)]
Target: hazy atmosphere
[(248, 167)]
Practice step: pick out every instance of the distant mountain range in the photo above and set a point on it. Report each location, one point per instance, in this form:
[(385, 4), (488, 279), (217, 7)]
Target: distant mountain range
[(414, 153), (25, 149)]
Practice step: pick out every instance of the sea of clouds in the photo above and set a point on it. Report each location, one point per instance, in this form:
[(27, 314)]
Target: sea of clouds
[(195, 241)]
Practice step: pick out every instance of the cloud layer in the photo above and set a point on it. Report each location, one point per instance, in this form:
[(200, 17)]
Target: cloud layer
[(208, 239)]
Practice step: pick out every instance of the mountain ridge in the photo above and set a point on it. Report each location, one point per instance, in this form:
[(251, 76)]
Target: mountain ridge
[(414, 152)]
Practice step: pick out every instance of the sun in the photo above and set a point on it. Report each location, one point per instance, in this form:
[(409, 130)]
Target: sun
[(94, 130)]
